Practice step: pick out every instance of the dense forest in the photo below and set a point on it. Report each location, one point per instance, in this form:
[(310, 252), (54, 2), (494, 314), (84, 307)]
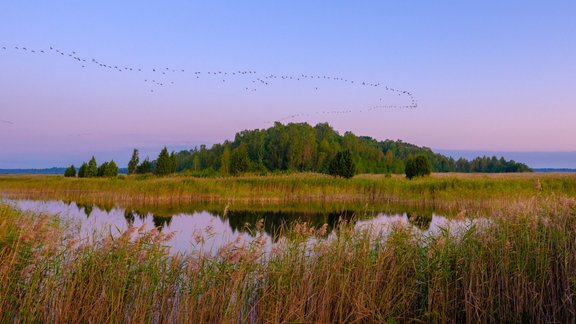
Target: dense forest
[(302, 147)]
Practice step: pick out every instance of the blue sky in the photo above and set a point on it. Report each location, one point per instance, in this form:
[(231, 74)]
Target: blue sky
[(487, 76)]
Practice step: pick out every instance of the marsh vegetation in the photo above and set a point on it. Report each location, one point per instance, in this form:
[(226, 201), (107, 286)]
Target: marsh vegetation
[(505, 251), (448, 192), (519, 266)]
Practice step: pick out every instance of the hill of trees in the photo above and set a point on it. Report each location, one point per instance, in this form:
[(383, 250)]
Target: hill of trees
[(302, 147)]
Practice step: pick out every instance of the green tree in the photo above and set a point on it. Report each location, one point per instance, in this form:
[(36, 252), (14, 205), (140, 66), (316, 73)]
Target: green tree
[(70, 172), (423, 165), (133, 164), (101, 169), (239, 161), (172, 162), (196, 162), (144, 167), (419, 166), (225, 161), (92, 168), (111, 169), (410, 167), (342, 165), (276, 147), (163, 163), (301, 147), (82, 170)]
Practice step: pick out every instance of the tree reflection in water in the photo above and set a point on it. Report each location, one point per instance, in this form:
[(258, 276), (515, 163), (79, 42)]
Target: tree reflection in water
[(86, 208), (230, 224), (276, 222), (245, 221), (159, 221), (420, 220)]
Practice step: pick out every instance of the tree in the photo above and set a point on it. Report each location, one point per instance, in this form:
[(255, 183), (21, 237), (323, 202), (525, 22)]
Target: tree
[(92, 168), (301, 147), (225, 161), (101, 169), (70, 172), (144, 167), (111, 169), (410, 168), (133, 164), (239, 161), (342, 165), (196, 163), (172, 162), (163, 163), (423, 165), (82, 170), (417, 167)]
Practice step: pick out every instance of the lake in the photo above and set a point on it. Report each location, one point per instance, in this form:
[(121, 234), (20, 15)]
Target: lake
[(206, 230)]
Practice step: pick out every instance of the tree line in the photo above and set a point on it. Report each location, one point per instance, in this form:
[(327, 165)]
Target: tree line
[(302, 147), (92, 170), (305, 148), (163, 165)]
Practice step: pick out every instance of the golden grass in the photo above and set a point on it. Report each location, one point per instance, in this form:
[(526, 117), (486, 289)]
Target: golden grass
[(519, 267), (451, 192)]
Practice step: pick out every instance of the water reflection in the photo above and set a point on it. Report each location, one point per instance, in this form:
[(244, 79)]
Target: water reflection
[(276, 222), (419, 220), (228, 225), (87, 209), (161, 221)]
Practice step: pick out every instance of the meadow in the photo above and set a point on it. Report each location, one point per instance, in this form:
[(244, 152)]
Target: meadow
[(519, 265), (449, 192)]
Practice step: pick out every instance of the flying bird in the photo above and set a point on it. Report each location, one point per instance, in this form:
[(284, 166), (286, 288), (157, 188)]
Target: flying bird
[(261, 79)]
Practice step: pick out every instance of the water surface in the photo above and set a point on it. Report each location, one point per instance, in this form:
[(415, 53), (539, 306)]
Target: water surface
[(216, 228)]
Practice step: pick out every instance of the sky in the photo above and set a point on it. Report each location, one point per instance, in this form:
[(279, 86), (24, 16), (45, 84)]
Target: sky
[(456, 76)]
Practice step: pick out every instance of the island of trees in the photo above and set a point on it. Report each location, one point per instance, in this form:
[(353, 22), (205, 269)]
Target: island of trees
[(300, 147)]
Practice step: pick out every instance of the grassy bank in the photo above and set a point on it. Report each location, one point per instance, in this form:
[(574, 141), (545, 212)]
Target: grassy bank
[(446, 191), (521, 267)]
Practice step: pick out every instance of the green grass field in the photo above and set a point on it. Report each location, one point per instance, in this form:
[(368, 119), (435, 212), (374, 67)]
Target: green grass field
[(452, 192)]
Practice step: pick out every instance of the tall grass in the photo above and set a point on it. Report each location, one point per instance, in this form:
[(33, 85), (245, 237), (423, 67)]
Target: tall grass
[(519, 266), (454, 192)]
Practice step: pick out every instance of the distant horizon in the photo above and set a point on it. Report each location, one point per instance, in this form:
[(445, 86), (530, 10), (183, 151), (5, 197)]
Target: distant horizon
[(534, 159)]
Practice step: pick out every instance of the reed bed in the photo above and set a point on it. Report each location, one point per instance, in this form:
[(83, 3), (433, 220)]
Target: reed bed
[(519, 266), (452, 192)]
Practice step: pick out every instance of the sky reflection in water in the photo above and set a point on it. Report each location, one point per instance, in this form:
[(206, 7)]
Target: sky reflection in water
[(227, 227)]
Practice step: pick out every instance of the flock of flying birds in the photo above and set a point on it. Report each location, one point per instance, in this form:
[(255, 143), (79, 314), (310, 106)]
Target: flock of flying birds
[(158, 77)]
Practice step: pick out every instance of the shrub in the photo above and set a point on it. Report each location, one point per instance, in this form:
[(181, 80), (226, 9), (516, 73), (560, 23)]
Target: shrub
[(82, 170), (144, 167), (101, 169), (342, 165), (111, 169), (417, 167), (70, 172)]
